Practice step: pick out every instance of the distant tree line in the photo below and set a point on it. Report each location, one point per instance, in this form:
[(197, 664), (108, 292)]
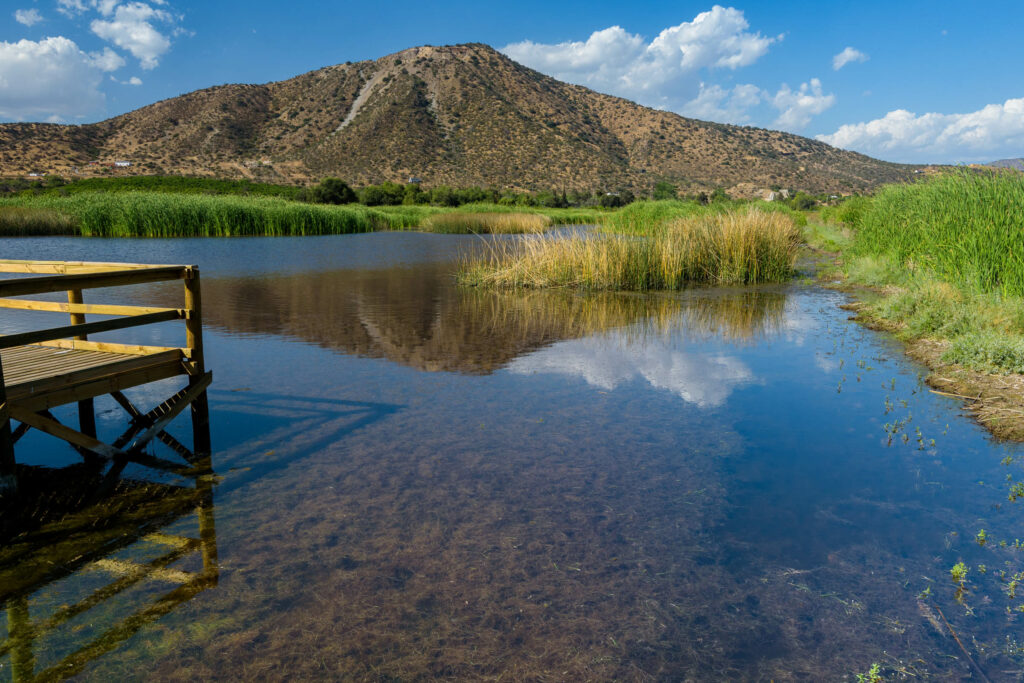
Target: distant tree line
[(337, 191)]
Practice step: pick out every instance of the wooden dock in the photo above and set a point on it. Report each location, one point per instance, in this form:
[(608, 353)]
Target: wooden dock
[(41, 369)]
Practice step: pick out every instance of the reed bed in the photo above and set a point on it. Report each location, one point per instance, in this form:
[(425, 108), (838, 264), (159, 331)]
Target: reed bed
[(647, 217), (154, 214), (965, 227), (746, 246), (24, 221), (489, 223)]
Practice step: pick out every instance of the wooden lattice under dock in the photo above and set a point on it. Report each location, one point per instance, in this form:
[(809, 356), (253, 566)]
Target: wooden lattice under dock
[(46, 368)]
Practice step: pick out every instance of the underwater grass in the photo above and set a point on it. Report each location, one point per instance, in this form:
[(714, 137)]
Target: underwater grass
[(491, 223), (739, 247), (24, 221)]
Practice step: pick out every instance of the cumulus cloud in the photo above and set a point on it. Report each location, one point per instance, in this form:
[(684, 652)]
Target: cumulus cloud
[(797, 107), (900, 135), (846, 56), (607, 362), (716, 103), (70, 8), (664, 71), (131, 26), (51, 79), (28, 17)]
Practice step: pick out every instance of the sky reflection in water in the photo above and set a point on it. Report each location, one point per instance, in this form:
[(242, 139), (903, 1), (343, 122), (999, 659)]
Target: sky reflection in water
[(414, 479)]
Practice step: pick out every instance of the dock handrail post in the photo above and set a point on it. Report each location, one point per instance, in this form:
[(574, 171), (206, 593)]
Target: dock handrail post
[(8, 478), (194, 343), (86, 407)]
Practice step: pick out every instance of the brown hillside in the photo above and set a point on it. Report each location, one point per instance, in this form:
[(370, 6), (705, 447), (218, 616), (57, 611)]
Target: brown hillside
[(459, 115)]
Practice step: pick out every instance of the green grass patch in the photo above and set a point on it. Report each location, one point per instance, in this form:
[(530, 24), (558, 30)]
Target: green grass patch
[(24, 221), (744, 246), (966, 228), (154, 214)]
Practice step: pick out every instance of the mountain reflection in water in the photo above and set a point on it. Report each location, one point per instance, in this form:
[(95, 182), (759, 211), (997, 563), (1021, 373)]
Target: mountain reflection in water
[(418, 318)]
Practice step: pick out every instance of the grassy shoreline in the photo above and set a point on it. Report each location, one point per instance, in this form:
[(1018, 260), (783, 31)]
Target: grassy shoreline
[(161, 214), (938, 264)]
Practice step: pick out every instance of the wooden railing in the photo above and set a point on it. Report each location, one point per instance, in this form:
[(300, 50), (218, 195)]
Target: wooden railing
[(74, 277)]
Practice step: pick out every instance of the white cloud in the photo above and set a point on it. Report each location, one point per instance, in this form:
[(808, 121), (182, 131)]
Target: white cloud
[(994, 130), (52, 79), (797, 107), (662, 72), (612, 360), (105, 7), (716, 103), (131, 28), (70, 8), (846, 56), (28, 17), (134, 80)]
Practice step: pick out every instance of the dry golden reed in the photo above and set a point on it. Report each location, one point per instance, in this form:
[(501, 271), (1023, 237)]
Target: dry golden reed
[(492, 223), (745, 246)]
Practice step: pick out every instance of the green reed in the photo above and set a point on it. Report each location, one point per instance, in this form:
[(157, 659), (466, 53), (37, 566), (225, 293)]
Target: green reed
[(24, 221), (153, 214), (966, 227)]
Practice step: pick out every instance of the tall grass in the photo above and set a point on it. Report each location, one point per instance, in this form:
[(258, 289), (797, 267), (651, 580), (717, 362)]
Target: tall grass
[(23, 221), (965, 227), (744, 246), (848, 213), (647, 217), (491, 223), (558, 216), (152, 214)]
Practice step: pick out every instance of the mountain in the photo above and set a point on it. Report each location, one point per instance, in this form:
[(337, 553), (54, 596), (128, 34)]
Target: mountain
[(458, 115), (1008, 163)]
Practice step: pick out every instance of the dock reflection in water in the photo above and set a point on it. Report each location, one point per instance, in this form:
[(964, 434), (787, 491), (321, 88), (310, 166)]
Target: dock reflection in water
[(85, 563)]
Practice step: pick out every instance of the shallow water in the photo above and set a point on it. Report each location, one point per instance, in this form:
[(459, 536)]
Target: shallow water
[(414, 480)]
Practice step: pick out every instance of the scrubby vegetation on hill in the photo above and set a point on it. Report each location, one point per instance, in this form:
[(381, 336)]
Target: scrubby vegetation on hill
[(457, 116)]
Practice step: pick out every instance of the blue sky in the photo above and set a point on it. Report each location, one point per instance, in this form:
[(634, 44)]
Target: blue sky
[(910, 81)]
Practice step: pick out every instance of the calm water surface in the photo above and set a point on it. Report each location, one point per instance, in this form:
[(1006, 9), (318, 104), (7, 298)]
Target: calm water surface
[(416, 481)]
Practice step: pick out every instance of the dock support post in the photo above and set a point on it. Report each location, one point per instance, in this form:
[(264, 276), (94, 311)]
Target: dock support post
[(200, 408), (86, 408), (8, 478)]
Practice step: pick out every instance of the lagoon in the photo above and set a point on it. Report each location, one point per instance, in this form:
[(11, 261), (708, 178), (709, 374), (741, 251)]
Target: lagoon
[(415, 480)]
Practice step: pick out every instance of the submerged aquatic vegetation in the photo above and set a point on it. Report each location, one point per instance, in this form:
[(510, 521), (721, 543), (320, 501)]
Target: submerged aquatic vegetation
[(737, 247)]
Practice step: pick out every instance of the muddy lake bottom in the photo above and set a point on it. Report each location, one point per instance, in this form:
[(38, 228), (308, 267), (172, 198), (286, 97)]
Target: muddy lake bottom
[(417, 481)]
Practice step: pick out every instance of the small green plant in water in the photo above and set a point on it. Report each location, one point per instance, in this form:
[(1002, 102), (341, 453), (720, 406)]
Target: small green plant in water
[(873, 675), (981, 538), (959, 573)]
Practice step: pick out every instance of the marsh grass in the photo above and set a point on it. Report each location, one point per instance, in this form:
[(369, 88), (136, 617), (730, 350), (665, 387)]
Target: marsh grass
[(23, 221), (738, 247), (486, 223), (964, 227), (944, 256), (649, 217), (154, 214)]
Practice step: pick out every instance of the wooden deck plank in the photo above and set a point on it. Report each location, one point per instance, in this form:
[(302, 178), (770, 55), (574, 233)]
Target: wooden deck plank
[(31, 372)]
